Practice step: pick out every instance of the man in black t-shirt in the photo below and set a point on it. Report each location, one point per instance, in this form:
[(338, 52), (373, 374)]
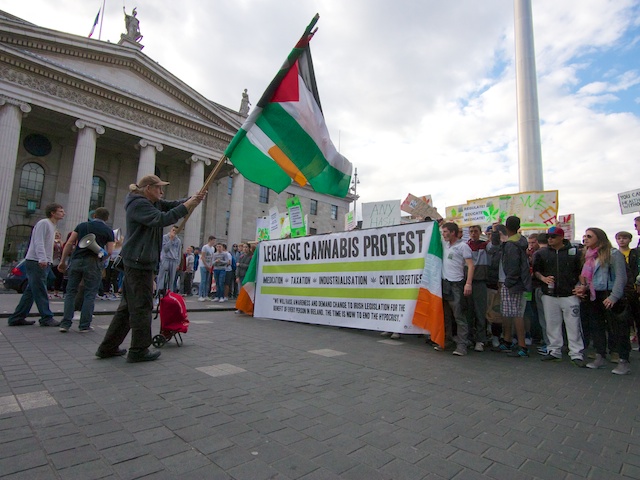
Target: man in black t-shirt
[(85, 266)]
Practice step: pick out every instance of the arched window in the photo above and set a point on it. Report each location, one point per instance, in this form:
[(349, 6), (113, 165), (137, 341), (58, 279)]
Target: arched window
[(31, 182), (98, 190)]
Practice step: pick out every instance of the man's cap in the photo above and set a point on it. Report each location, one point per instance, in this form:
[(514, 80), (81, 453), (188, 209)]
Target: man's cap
[(556, 231), (149, 180)]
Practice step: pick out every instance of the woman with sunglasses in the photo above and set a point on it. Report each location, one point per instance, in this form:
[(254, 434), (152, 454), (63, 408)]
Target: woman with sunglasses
[(602, 285)]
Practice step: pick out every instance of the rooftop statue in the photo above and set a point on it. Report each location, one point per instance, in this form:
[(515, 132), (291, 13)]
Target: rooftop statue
[(133, 25)]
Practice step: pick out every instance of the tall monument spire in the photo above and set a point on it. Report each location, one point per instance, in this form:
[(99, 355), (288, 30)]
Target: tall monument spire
[(529, 149)]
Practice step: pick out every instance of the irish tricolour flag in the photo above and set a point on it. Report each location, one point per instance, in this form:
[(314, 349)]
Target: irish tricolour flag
[(285, 137), (429, 313)]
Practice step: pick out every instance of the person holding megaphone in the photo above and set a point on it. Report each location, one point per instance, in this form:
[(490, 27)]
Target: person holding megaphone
[(94, 242)]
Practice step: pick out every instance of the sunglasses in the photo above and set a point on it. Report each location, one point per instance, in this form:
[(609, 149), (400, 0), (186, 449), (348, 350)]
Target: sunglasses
[(589, 236)]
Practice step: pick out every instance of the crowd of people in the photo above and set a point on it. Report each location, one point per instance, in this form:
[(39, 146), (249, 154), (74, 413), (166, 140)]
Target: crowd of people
[(542, 289), (501, 291)]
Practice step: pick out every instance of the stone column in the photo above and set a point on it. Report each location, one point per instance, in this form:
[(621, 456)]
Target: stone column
[(236, 209), (192, 233), (147, 164), (11, 114), (84, 160)]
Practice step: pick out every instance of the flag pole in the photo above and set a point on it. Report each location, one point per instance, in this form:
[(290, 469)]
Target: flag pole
[(101, 20), (205, 187)]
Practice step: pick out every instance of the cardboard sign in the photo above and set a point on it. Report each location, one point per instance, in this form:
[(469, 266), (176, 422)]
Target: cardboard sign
[(629, 201), (381, 214)]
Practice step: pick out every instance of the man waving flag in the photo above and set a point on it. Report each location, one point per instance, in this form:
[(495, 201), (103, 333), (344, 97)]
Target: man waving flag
[(285, 137)]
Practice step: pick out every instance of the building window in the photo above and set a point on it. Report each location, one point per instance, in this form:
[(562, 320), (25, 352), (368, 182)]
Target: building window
[(98, 191), (334, 212), (229, 185), (227, 216), (16, 242), (264, 195), (31, 182), (313, 231), (313, 208), (37, 145)]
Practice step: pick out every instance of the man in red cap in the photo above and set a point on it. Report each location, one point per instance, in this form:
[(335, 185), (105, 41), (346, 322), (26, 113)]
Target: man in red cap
[(558, 268)]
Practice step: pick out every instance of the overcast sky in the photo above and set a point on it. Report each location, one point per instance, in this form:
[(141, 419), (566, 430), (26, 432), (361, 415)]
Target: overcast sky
[(419, 95)]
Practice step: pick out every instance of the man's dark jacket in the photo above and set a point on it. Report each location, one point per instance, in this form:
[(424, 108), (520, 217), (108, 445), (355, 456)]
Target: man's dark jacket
[(516, 264), (145, 221), (564, 265)]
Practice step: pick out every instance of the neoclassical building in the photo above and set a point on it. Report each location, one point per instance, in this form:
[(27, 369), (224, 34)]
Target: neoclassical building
[(81, 119)]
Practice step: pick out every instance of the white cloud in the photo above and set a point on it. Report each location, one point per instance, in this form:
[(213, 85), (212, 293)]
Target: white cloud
[(419, 95)]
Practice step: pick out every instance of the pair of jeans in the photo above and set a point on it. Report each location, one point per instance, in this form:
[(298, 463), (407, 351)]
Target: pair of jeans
[(220, 277), (36, 291), (167, 271), (476, 305), (134, 313), (205, 282), (88, 270), (454, 307)]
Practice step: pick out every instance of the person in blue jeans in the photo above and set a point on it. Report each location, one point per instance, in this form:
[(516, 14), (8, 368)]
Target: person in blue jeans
[(206, 266), (85, 266), (37, 265), (221, 260)]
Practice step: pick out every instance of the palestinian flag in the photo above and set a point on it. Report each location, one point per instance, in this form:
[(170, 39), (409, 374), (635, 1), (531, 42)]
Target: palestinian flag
[(247, 295), (285, 136), (429, 313)]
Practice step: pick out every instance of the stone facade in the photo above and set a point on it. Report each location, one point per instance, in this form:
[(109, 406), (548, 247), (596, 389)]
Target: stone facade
[(75, 112)]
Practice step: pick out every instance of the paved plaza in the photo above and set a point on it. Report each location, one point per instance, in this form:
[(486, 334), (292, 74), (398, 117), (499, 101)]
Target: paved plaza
[(253, 399)]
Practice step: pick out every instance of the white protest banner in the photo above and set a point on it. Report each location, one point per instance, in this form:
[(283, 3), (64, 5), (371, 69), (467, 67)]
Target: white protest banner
[(366, 279), (568, 224), (629, 201), (381, 214), (262, 229), (536, 210), (349, 221), (274, 223)]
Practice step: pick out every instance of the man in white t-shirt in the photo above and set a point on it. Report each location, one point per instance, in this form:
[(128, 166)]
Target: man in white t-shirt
[(206, 266), (455, 256)]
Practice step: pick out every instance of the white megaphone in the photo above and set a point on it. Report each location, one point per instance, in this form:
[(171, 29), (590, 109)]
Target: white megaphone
[(89, 241)]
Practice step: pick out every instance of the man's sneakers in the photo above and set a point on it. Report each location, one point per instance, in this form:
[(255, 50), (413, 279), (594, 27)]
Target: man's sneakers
[(21, 323), (63, 329), (479, 347), (578, 362), (623, 368), (599, 362), (50, 322), (502, 348), (542, 350), (461, 350), (518, 351), (86, 329)]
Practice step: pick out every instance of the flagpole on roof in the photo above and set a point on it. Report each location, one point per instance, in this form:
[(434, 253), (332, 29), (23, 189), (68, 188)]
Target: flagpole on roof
[(101, 20)]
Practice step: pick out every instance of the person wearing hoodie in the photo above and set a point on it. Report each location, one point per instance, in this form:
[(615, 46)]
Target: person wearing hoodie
[(515, 281), (558, 269), (146, 215)]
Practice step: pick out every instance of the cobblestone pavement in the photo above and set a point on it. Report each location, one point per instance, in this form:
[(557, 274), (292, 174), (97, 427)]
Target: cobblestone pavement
[(253, 399)]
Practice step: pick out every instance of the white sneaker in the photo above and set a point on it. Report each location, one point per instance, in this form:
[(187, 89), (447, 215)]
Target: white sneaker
[(623, 368), (599, 362), (495, 341), (76, 315), (479, 347), (225, 299), (394, 336), (201, 299), (385, 334), (222, 300)]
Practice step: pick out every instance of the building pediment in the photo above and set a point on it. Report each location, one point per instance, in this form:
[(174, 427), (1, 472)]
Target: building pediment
[(116, 82)]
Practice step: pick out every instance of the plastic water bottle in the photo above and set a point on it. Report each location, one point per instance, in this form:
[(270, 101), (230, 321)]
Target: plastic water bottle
[(551, 287)]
